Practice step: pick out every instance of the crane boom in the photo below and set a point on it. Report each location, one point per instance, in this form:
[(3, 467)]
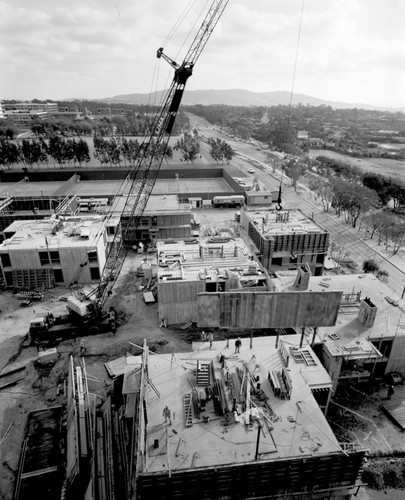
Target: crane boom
[(145, 171)]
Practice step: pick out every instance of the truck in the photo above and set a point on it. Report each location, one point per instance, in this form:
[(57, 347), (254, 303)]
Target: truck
[(82, 318)]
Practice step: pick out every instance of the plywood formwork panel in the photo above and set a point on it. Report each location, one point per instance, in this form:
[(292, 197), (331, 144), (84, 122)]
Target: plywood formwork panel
[(314, 477), (268, 309), (178, 292), (178, 300)]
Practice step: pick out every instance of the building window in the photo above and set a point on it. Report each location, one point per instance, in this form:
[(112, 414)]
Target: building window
[(144, 221), (44, 258), (5, 260), (210, 287), (58, 275), (55, 257), (94, 273), (110, 230), (320, 258), (92, 256)]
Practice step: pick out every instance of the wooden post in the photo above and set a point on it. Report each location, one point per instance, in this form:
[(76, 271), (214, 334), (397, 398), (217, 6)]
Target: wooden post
[(314, 335), (251, 339), (258, 441), (302, 336)]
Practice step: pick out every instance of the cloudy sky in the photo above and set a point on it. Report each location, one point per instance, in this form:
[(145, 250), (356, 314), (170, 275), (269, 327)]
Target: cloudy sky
[(349, 51)]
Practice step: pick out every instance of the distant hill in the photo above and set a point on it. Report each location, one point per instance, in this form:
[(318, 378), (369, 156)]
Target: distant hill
[(238, 97)]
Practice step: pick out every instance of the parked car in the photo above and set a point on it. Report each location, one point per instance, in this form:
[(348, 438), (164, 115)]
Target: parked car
[(251, 170)]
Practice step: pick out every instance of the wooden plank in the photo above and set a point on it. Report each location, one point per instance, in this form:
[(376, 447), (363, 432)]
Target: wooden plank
[(12, 377)]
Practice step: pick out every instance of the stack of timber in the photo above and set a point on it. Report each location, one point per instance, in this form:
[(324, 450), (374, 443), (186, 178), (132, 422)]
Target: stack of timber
[(222, 396)]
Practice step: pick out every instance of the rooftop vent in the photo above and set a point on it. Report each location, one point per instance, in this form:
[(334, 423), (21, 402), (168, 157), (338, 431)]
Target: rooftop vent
[(367, 312), (303, 275)]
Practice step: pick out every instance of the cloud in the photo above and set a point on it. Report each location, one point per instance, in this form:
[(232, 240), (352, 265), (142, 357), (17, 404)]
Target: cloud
[(101, 48)]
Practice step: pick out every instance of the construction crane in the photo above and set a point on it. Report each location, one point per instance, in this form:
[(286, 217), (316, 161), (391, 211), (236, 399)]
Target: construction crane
[(143, 175)]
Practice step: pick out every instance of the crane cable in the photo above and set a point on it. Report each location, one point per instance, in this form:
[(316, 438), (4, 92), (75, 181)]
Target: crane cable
[(178, 22), (193, 26), (171, 34), (279, 207), (155, 80)]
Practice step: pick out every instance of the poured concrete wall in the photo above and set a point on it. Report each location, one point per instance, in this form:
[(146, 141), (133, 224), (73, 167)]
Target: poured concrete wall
[(268, 309)]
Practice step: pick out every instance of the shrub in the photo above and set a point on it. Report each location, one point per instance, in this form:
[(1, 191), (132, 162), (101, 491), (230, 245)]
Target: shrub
[(370, 266)]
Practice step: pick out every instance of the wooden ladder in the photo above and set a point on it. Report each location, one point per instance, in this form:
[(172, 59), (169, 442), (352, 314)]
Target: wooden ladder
[(203, 374), (309, 360), (187, 410)]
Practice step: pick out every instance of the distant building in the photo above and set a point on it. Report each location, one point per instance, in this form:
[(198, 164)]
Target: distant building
[(261, 198), (22, 113)]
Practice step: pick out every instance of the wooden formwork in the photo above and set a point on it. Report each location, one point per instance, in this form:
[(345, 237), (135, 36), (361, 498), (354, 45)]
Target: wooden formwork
[(268, 309), (317, 477)]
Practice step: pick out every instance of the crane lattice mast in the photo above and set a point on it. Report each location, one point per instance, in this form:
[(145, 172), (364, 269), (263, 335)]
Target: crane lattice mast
[(143, 175)]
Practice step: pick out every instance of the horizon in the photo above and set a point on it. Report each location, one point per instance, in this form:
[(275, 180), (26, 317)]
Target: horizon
[(349, 52), (360, 105)]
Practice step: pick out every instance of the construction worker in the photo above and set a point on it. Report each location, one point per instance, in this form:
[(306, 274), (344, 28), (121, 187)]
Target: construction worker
[(163, 322), (167, 414), (390, 391), (82, 347), (210, 339), (238, 343), (203, 336)]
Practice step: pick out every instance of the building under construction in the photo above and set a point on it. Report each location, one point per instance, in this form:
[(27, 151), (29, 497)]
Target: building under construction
[(286, 239), (39, 254), (367, 342), (189, 267), (217, 422)]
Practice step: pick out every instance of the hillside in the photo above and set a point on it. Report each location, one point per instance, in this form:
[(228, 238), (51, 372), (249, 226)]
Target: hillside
[(240, 97)]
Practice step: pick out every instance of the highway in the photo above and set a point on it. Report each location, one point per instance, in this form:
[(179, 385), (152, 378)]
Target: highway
[(357, 247)]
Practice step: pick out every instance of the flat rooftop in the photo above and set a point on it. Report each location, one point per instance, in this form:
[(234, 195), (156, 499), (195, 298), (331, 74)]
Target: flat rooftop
[(56, 233), (111, 187), (272, 222), (294, 427), (210, 259), (348, 328), (168, 204)]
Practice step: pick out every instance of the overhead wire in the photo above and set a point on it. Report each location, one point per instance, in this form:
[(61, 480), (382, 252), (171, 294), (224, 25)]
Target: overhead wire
[(287, 132), (294, 72)]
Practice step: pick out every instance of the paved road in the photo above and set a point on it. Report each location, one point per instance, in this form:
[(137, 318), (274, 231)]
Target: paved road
[(353, 241)]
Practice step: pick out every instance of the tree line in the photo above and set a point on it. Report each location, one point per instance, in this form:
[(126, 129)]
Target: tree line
[(375, 200), (112, 151), (56, 150)]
